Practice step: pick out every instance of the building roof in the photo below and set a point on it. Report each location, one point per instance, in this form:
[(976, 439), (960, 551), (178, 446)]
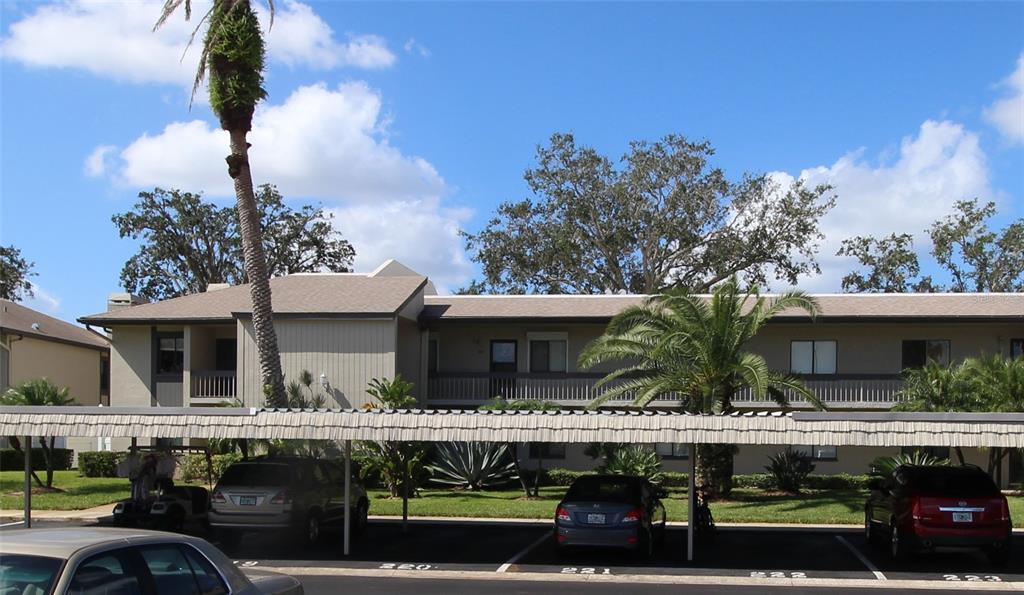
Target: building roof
[(578, 426), (326, 295), (19, 320), (909, 306)]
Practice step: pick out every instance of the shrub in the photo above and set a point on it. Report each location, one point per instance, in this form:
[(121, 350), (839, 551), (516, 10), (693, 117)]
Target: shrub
[(472, 465), (757, 481), (561, 477), (841, 481), (14, 460), (789, 469), (885, 466), (99, 464), (634, 459), (193, 467), (675, 479)]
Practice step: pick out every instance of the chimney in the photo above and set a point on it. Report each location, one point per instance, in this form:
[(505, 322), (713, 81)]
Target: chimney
[(118, 300)]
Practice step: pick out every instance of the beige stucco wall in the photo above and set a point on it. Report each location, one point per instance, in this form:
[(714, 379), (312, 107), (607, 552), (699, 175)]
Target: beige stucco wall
[(466, 348), (349, 352), (77, 368), (877, 348), (131, 365)]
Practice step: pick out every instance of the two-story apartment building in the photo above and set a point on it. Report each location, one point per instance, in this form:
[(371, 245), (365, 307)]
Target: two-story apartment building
[(460, 351)]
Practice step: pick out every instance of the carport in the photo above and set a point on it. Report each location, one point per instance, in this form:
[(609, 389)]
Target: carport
[(618, 426)]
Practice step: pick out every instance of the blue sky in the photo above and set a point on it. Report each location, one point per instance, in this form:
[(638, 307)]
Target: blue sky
[(413, 120)]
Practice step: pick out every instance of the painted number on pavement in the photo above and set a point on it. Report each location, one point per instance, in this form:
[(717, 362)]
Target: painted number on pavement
[(397, 566), (973, 578), (758, 574), (246, 563), (570, 570)]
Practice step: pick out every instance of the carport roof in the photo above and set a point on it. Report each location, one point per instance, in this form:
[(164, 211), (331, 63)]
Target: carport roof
[(621, 426)]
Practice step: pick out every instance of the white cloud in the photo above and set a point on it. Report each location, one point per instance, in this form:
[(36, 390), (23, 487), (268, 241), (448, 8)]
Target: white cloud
[(42, 301), (321, 142), (115, 40), (412, 46), (96, 162), (420, 234), (1007, 114), (941, 165)]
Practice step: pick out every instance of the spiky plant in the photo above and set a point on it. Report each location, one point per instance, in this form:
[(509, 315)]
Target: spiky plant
[(886, 466), (695, 348), (232, 61), (472, 465), (789, 469), (39, 392), (633, 459)]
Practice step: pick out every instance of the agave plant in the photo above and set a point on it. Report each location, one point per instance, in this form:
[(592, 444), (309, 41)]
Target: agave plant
[(886, 466), (789, 469), (473, 465), (633, 459)]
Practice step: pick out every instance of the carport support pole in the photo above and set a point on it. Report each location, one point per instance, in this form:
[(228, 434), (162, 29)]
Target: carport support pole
[(28, 482), (348, 493), (691, 497)]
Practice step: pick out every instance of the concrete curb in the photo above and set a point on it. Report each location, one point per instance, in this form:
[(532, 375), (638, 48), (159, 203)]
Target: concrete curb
[(644, 578)]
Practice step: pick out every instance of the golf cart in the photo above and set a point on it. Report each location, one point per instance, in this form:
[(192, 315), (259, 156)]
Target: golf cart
[(156, 502)]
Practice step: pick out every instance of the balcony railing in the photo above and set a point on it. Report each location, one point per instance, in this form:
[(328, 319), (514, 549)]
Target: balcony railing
[(578, 389), (213, 384)]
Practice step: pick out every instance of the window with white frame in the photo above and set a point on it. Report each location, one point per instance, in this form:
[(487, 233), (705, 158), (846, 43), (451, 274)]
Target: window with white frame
[(548, 352), (669, 450), (813, 357)]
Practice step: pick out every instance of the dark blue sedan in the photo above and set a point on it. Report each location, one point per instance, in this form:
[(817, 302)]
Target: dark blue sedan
[(617, 511)]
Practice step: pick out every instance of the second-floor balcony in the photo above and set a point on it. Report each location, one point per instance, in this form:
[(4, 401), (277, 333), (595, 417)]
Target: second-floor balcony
[(851, 391), (212, 385)]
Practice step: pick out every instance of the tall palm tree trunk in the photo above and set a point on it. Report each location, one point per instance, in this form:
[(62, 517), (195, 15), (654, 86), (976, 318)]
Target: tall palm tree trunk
[(256, 270)]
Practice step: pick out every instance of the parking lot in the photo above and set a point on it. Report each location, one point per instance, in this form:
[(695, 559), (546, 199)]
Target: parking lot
[(526, 547)]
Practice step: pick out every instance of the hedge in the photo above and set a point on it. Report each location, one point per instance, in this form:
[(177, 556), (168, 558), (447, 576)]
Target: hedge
[(193, 467), (14, 460), (675, 479), (100, 463)]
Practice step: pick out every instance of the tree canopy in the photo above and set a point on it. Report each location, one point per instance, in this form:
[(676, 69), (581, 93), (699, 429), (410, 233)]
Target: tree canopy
[(661, 217), (14, 275), (964, 246), (188, 243)]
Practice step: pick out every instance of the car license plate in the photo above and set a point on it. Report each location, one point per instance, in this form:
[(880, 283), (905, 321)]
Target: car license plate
[(963, 517), (595, 518), (247, 500)]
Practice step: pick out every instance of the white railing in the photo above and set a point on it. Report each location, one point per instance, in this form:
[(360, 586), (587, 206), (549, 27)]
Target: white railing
[(578, 389), (213, 384)]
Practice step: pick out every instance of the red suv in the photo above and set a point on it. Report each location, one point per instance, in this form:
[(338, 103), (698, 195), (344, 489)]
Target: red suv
[(924, 507)]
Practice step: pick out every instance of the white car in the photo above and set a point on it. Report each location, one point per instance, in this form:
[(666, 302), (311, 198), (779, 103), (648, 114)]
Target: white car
[(94, 561)]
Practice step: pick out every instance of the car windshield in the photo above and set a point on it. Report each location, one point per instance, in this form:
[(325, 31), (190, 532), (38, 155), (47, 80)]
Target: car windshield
[(27, 574), (603, 490), (953, 483), (255, 474)]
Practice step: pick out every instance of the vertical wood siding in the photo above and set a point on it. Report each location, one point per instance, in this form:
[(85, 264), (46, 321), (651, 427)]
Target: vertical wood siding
[(349, 352)]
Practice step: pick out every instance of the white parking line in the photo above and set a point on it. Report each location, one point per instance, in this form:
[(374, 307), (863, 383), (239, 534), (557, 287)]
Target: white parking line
[(878, 573), (12, 524), (526, 550)]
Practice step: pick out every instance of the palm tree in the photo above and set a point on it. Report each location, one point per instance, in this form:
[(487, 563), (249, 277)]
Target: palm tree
[(998, 382), (685, 345), (938, 388), (39, 393), (232, 60)]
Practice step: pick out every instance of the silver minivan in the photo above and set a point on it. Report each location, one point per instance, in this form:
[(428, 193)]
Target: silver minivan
[(304, 495)]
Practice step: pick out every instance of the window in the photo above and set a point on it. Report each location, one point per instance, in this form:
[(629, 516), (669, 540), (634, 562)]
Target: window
[(105, 573), (503, 356), (548, 356), (813, 357), (673, 451), (819, 452), (1016, 348), (175, 573), (170, 355), (917, 353), (547, 450), (432, 355)]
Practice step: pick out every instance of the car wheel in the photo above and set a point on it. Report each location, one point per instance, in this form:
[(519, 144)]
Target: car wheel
[(870, 535), (312, 532), (898, 546), (999, 555), (359, 520), (174, 521)]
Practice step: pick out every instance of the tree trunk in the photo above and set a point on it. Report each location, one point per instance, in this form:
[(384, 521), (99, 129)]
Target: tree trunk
[(514, 451), (714, 470), (47, 459), (15, 443), (959, 454), (256, 271)]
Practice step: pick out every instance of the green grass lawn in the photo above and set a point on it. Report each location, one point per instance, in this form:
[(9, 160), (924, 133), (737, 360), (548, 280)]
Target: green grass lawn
[(745, 506)]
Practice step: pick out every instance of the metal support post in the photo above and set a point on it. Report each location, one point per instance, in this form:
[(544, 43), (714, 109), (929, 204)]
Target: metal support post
[(348, 494), (28, 481), (691, 496)]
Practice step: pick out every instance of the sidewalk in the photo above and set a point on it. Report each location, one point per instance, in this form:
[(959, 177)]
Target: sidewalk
[(88, 514)]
